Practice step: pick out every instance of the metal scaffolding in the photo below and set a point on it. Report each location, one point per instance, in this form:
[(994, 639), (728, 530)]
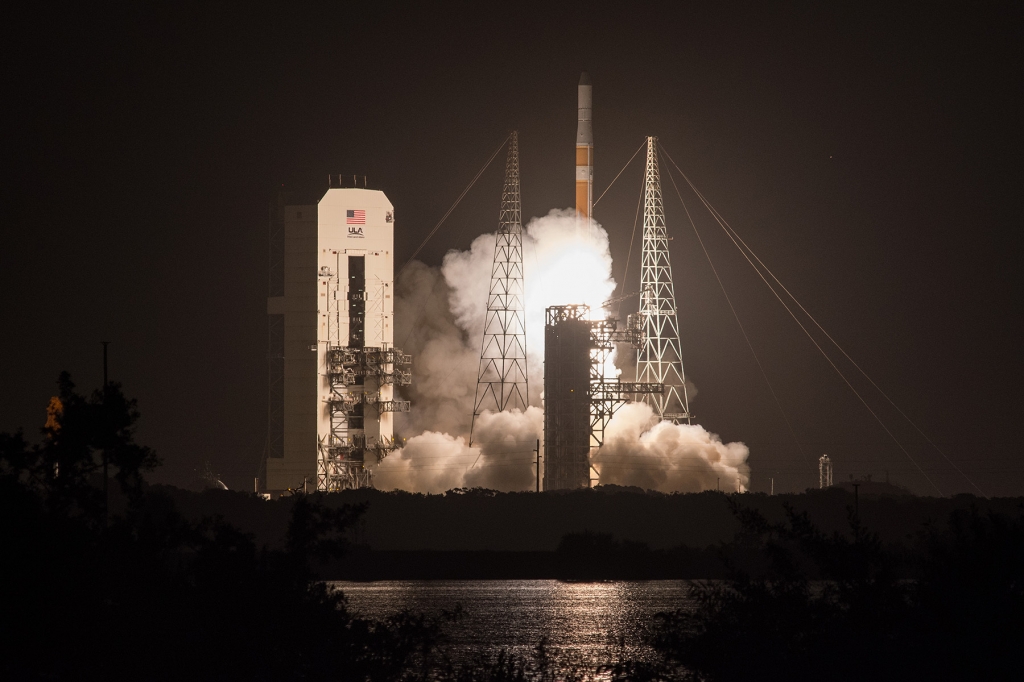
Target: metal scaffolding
[(344, 453), (659, 358), (824, 472), (608, 394), (355, 375), (502, 379)]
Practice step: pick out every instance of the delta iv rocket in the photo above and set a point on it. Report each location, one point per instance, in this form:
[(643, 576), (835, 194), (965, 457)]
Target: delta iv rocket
[(584, 149)]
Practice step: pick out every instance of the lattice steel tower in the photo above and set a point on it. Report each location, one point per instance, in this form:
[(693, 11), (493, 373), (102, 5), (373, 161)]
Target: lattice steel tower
[(659, 359), (502, 379), (824, 472)]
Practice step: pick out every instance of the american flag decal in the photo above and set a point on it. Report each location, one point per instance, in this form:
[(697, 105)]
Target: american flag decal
[(355, 217)]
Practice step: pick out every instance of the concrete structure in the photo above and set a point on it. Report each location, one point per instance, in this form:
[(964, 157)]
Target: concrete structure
[(332, 357)]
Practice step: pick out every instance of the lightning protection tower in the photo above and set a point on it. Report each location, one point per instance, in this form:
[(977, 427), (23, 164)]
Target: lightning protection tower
[(502, 379), (659, 358)]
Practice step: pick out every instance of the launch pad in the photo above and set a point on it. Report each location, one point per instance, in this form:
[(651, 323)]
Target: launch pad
[(334, 368)]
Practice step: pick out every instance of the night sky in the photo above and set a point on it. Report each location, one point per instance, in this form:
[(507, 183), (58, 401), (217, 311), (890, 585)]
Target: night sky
[(869, 155)]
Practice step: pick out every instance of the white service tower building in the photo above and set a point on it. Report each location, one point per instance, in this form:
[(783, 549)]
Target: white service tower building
[(343, 290)]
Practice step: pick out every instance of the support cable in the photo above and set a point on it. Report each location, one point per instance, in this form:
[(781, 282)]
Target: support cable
[(636, 219), (472, 182), (836, 343), (728, 233), (620, 172), (449, 211), (743, 331)]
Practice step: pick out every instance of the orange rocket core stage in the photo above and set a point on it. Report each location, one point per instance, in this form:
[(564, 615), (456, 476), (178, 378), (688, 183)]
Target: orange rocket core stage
[(584, 148), (584, 187)]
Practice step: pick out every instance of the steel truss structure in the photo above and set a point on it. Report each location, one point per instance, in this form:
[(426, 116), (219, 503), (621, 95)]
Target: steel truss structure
[(659, 357), (356, 376), (502, 382), (579, 400), (608, 394), (824, 472)]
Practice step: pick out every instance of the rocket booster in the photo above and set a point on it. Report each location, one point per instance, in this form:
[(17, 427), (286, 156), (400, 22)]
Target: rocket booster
[(584, 149)]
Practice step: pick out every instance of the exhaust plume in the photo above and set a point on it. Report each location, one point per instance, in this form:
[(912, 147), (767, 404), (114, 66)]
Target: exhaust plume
[(641, 451), (440, 315), (502, 457)]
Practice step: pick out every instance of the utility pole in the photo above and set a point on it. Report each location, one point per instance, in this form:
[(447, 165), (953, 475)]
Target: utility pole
[(538, 464), (856, 499), (106, 495), (773, 485)]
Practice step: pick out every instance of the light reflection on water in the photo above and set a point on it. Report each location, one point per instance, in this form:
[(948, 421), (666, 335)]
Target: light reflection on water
[(585, 620)]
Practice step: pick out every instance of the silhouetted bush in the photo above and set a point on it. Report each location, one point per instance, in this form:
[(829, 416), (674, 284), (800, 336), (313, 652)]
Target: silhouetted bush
[(836, 606)]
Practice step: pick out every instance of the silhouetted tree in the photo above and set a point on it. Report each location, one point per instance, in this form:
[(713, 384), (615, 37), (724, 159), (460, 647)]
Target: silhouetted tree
[(142, 593)]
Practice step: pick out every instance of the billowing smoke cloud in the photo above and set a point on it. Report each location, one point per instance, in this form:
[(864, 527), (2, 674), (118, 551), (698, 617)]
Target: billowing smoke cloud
[(638, 450), (445, 356), (440, 315), (561, 268), (432, 462), (502, 457)]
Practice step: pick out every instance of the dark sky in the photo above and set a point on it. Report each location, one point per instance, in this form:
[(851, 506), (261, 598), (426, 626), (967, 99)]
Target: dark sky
[(870, 155)]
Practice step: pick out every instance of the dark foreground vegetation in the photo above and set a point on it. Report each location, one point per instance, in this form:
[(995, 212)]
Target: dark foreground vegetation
[(125, 586)]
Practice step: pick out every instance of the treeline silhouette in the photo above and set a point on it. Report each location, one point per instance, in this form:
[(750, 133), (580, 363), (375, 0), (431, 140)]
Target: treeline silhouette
[(607, 533), (843, 606), (151, 582), (133, 590), (477, 519)]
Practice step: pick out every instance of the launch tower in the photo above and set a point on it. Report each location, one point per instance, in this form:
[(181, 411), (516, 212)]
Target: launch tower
[(579, 399), (502, 379), (659, 358), (567, 367)]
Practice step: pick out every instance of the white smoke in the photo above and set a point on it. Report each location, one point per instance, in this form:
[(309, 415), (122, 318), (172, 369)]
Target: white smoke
[(440, 315), (640, 451), (501, 458), (561, 267), (444, 356)]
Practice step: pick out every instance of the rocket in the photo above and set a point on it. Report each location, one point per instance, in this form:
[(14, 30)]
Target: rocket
[(584, 149)]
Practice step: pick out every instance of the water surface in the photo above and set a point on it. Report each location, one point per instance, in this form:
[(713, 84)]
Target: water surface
[(583, 620)]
